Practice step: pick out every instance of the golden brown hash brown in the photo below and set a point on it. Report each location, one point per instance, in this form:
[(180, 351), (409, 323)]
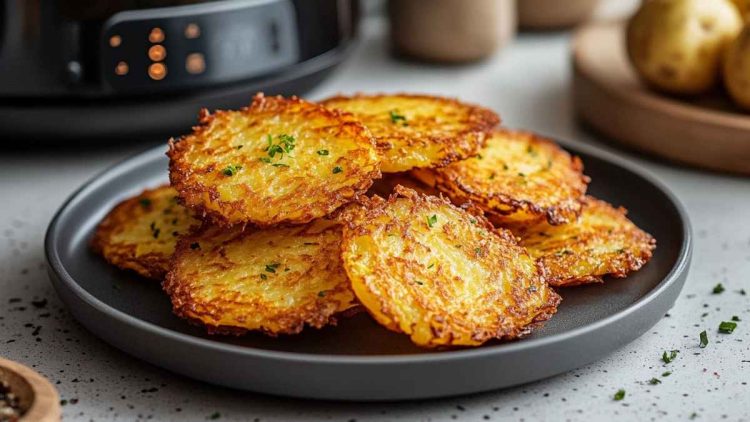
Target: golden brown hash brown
[(273, 280), (602, 242), (439, 274), (517, 178), (141, 232), (414, 131), (277, 161)]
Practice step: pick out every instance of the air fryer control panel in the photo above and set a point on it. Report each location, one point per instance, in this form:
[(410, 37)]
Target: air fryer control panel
[(195, 45)]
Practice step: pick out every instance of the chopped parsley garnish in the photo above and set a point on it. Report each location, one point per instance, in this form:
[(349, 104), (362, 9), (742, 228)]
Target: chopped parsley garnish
[(231, 170), (431, 265), (505, 166), (419, 282), (531, 151), (564, 252), (431, 220), (492, 176), (311, 243), (727, 327), (239, 147), (669, 356), (395, 117), (742, 292), (719, 288), (654, 381), (735, 318), (521, 174), (263, 277), (619, 395), (478, 251), (321, 293), (473, 220), (280, 165), (285, 144), (271, 268), (154, 230), (478, 156), (145, 202), (704, 339), (549, 164), (666, 374), (322, 152), (195, 245), (337, 169)]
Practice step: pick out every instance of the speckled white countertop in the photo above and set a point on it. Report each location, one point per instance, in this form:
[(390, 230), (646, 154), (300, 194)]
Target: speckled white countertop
[(528, 83)]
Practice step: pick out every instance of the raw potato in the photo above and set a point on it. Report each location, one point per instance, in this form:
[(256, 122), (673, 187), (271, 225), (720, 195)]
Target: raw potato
[(277, 161), (274, 280), (141, 232), (737, 69), (439, 274), (517, 178), (416, 131), (676, 45), (602, 242)]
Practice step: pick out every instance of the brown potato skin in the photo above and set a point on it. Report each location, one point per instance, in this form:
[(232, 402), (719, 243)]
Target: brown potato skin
[(126, 241), (424, 141), (217, 279), (491, 180), (602, 242), (308, 187), (488, 265)]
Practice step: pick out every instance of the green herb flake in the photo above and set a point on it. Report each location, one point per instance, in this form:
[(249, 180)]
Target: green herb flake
[(280, 165), (239, 147), (337, 170), (619, 395), (154, 230), (271, 268), (735, 318), (395, 117), (215, 415), (431, 220), (531, 151), (195, 245), (654, 381), (263, 276), (473, 221), (431, 265), (704, 339), (492, 176), (718, 289), (419, 282), (727, 327), (321, 294), (311, 243), (231, 170), (669, 356), (322, 152), (145, 202), (478, 156), (478, 251), (742, 292), (666, 373)]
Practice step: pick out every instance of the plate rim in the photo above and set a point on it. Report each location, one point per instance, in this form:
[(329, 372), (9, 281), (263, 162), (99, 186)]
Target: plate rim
[(54, 263)]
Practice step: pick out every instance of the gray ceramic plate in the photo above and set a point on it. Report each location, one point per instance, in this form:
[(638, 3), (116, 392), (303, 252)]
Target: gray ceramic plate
[(359, 360)]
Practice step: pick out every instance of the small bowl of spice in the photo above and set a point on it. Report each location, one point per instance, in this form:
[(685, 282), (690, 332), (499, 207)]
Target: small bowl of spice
[(25, 395)]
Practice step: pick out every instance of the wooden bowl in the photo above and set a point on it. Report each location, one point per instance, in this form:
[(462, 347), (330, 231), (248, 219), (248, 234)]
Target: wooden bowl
[(554, 14), (38, 398), (706, 131)]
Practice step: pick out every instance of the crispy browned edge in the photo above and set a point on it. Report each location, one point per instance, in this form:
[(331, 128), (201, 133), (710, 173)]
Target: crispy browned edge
[(179, 173), (481, 119), (621, 267), (182, 300), (553, 215), (375, 204), (148, 265)]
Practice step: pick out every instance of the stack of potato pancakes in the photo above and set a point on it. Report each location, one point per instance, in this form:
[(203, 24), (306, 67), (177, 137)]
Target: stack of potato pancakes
[(417, 209)]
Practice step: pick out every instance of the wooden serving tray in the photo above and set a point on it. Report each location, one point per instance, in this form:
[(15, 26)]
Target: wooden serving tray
[(707, 132)]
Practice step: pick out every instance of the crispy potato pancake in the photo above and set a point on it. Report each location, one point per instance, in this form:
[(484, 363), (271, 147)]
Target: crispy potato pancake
[(415, 131), (439, 274), (517, 178), (140, 233), (602, 242), (277, 161), (273, 280)]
